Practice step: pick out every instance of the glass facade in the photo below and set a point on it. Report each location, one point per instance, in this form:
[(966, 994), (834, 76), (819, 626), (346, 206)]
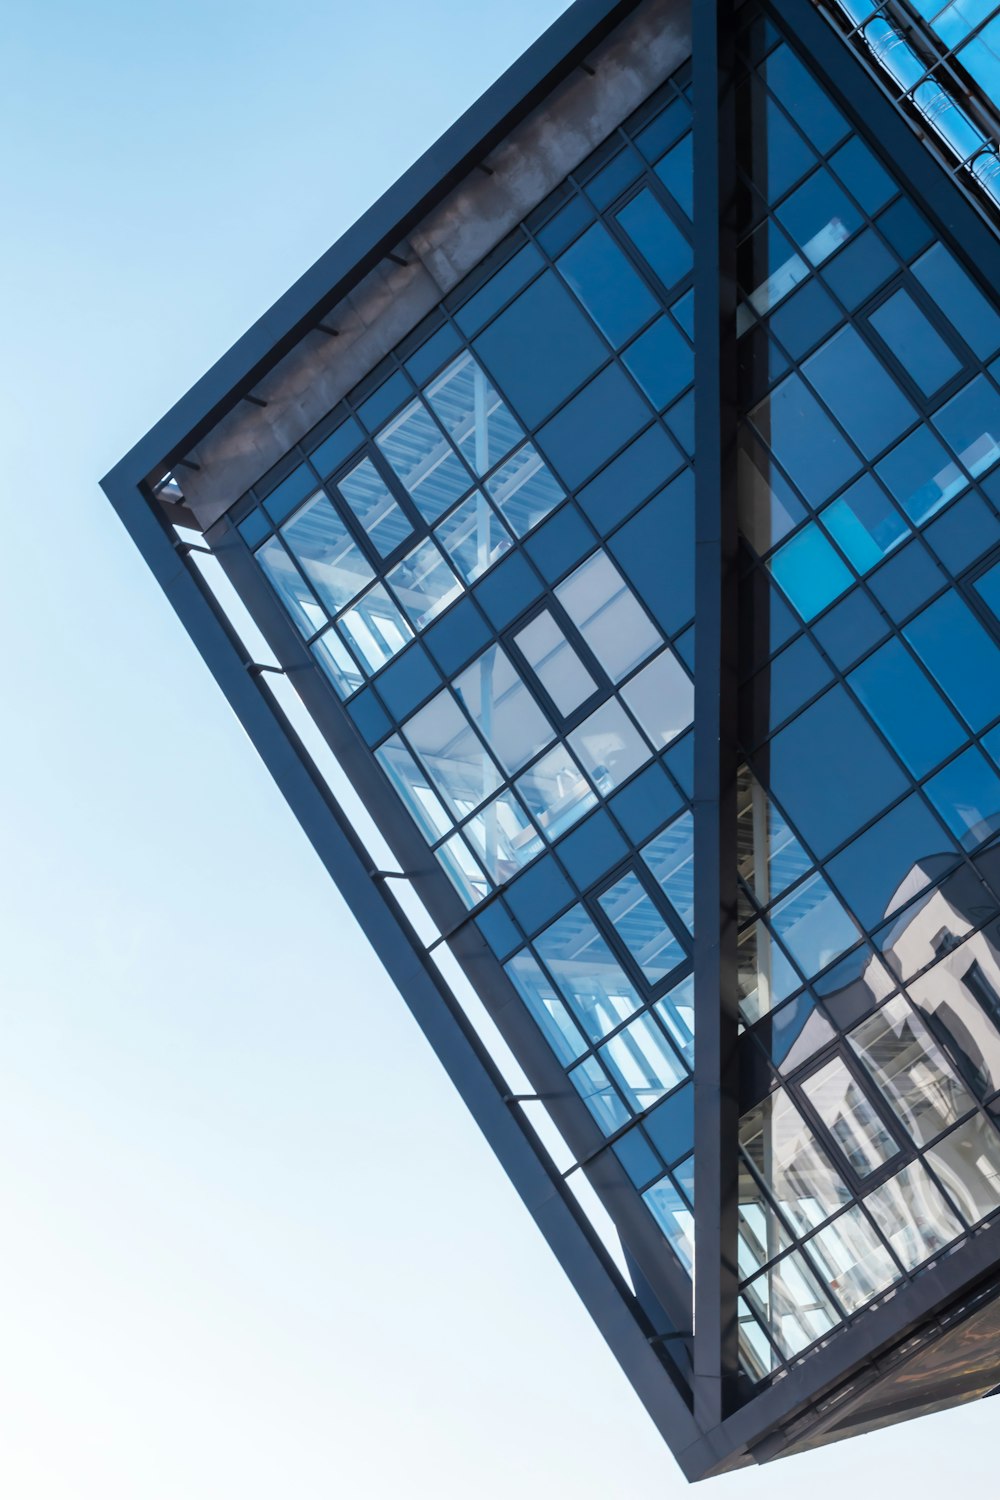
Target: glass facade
[(482, 560)]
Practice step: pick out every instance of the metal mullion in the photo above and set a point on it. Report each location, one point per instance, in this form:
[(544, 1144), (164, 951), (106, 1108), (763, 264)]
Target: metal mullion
[(716, 1282)]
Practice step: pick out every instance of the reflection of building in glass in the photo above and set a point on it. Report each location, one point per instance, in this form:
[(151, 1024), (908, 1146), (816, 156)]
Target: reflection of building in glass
[(707, 935)]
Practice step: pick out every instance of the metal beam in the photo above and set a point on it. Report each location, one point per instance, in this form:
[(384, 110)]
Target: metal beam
[(716, 1013)]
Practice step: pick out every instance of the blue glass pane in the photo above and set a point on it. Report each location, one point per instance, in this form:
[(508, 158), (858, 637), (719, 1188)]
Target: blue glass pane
[(587, 975), (802, 96), (254, 528), (987, 586), (970, 423), (423, 459), (590, 428), (656, 552), (819, 216), (967, 795), (676, 172), (804, 440), (656, 237), (813, 925), (773, 151), (888, 864), (499, 289), (327, 553), (541, 349), (539, 995), (662, 361), (642, 1063), (641, 928), (830, 772), (859, 268), (921, 475), (370, 501), (811, 573), (864, 524), (909, 711), (804, 318), (291, 588), (850, 629), (859, 391), (959, 299), (339, 446), (907, 580), (637, 1157), (964, 533), (612, 292), (670, 857), (671, 1125), (864, 177), (915, 342), (598, 1093), (630, 478), (959, 653), (285, 496)]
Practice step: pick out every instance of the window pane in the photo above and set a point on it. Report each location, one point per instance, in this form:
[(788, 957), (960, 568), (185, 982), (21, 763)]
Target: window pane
[(910, 713), (608, 616), (556, 792), (662, 361), (338, 663), (524, 490), (859, 391), (910, 1070), (819, 216), (662, 698), (850, 1117), (674, 1217), (641, 928), (462, 870), (915, 342), (413, 786), (503, 837), (960, 655), (960, 996), (474, 537), (770, 856), (670, 857), (967, 1162), (970, 424), (921, 475), (854, 1263), (959, 299), (507, 716), (769, 267), (374, 505), (420, 455), (588, 977), (790, 1162), (598, 1094), (455, 760), (911, 1212), (676, 1011), (864, 524), (423, 583), (764, 972), (773, 153), (472, 414), (642, 1063), (767, 505), (792, 1304), (810, 571), (609, 746), (291, 588), (328, 555), (375, 628), (555, 663), (656, 237), (611, 291), (967, 795), (804, 440), (813, 925), (538, 994)]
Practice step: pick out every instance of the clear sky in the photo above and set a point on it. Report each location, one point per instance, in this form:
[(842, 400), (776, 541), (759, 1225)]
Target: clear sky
[(252, 1245)]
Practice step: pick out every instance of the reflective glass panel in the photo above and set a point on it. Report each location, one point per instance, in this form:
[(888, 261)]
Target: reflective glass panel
[(970, 425), (792, 1304), (674, 1218), (539, 995), (961, 656), (959, 299), (910, 712), (915, 342), (859, 391), (852, 1260), (599, 1095), (414, 788), (422, 458), (813, 925), (661, 697), (524, 490), (454, 757), (474, 537), (374, 506), (612, 292), (967, 795), (338, 663), (921, 475), (804, 440), (503, 837), (910, 1070), (462, 870), (960, 996), (819, 216), (676, 1011), (423, 583), (609, 746), (641, 928), (555, 663), (473, 415), (810, 571), (642, 1063), (505, 712), (556, 792), (656, 237), (791, 1163), (770, 856), (967, 1164), (850, 1117), (912, 1214), (670, 857), (375, 628), (765, 975), (587, 975), (865, 524), (327, 553), (608, 616), (291, 588)]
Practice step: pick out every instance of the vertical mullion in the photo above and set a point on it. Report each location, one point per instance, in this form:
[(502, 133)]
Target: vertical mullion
[(716, 1000)]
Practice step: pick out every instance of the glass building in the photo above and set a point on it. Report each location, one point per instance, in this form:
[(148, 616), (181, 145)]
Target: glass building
[(600, 545)]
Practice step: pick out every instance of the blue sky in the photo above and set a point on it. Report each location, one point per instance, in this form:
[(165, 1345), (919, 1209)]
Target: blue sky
[(253, 1245)]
